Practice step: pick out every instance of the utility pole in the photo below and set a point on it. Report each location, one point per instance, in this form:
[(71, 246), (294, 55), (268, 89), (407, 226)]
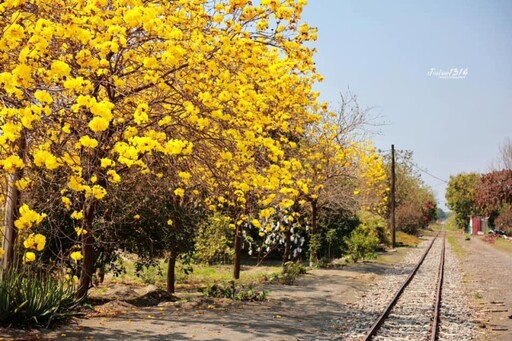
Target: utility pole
[(393, 192)]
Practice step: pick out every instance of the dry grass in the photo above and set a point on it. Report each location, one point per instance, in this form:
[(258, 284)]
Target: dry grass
[(407, 240), (503, 245), (455, 240), (403, 242)]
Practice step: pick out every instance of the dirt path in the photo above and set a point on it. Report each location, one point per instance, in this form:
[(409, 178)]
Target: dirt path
[(304, 311), (488, 277)]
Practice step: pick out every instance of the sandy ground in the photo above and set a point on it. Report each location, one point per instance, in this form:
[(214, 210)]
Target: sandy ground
[(304, 311), (488, 281)]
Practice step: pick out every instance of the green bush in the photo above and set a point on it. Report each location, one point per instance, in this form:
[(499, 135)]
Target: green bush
[(291, 271), (31, 299), (251, 295), (315, 244), (229, 291), (323, 263), (219, 291), (364, 241), (151, 274), (214, 241), (336, 225)]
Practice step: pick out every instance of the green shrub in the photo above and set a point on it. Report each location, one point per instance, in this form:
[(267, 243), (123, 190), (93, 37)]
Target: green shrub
[(241, 294), (504, 219), (291, 271), (251, 295), (219, 291), (364, 241), (336, 224), (323, 263), (315, 243), (35, 299), (214, 241)]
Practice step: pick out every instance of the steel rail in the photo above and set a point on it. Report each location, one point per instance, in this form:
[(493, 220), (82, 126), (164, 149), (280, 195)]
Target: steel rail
[(390, 306), (437, 318)]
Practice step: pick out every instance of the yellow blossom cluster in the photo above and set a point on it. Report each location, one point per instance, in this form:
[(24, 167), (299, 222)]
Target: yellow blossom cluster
[(28, 218), (205, 96), (76, 256), (35, 241)]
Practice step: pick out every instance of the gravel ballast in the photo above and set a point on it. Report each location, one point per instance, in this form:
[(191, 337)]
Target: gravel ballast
[(411, 318)]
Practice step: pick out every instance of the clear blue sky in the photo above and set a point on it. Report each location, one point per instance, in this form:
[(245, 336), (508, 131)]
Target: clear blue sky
[(383, 51)]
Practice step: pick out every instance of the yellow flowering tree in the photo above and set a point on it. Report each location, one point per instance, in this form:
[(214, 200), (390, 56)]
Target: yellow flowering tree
[(96, 89), (339, 169)]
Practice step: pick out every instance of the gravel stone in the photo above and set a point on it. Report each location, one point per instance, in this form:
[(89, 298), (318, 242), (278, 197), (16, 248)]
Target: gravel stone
[(411, 318)]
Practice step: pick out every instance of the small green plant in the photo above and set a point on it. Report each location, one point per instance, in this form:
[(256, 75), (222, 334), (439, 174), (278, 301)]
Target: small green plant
[(315, 243), (28, 298), (151, 274), (229, 291), (323, 263), (478, 296), (274, 277), (218, 291), (251, 295), (291, 271)]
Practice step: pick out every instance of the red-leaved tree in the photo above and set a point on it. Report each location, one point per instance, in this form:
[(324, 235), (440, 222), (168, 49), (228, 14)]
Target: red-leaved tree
[(494, 190)]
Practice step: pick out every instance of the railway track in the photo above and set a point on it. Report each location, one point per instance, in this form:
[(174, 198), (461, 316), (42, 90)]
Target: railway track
[(414, 311)]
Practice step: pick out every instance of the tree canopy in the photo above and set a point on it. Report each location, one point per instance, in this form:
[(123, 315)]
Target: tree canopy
[(123, 123), (461, 196)]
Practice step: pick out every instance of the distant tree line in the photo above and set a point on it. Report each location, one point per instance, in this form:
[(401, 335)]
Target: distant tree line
[(488, 194)]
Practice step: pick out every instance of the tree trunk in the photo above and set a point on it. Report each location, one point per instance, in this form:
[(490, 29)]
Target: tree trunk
[(100, 275), (12, 205), (313, 250), (87, 251), (238, 251), (287, 245), (171, 273)]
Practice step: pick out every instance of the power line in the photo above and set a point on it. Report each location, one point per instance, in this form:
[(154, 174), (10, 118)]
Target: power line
[(432, 175), (417, 167), (437, 184)]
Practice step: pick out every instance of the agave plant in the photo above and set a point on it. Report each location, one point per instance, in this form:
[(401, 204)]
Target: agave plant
[(35, 299)]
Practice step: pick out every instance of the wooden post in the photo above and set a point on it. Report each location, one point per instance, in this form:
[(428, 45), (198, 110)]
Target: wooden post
[(238, 251), (171, 273), (393, 194)]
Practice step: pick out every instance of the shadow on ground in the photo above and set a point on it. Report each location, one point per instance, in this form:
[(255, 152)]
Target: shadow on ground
[(305, 311)]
